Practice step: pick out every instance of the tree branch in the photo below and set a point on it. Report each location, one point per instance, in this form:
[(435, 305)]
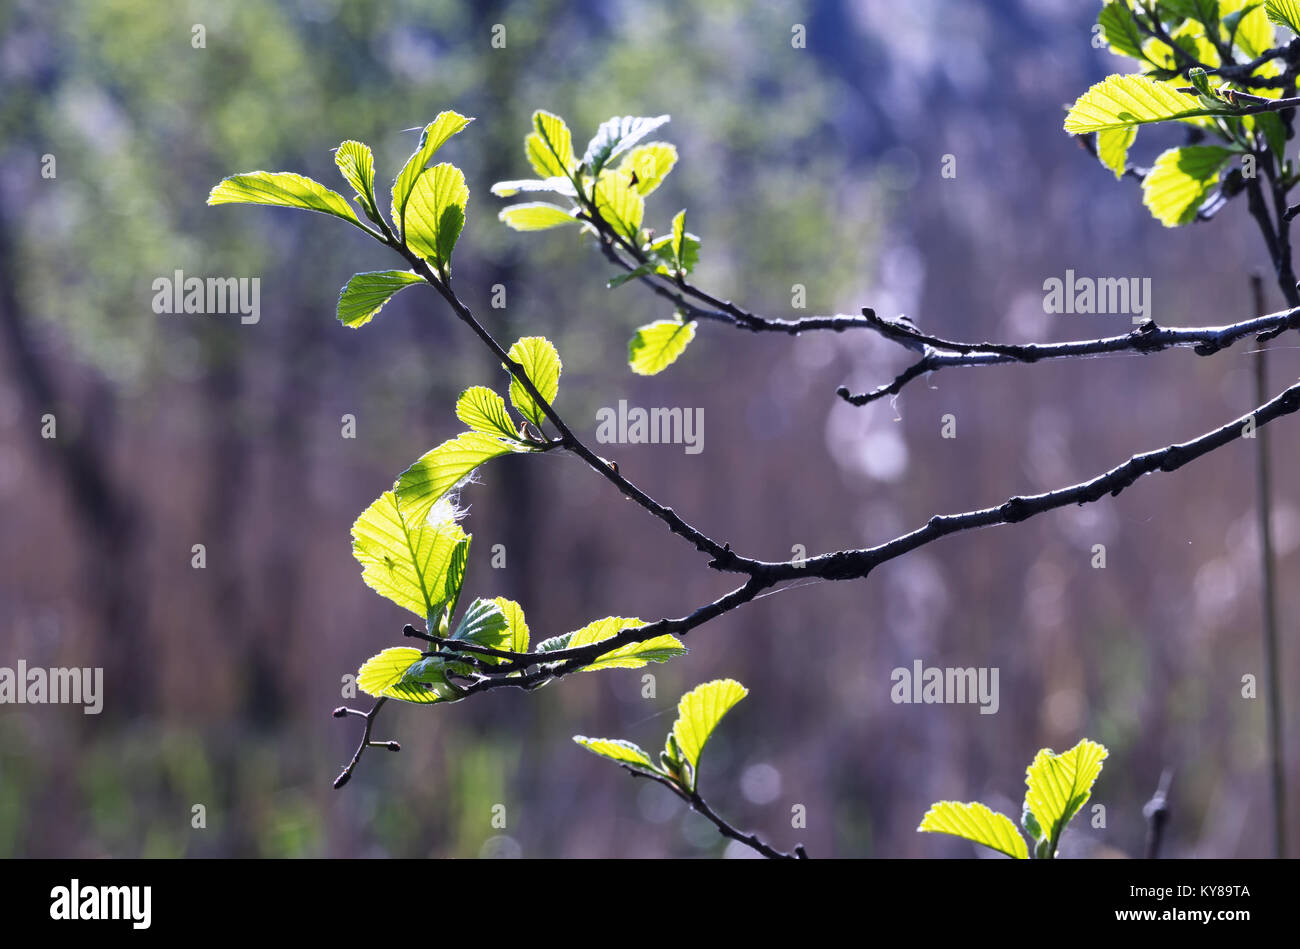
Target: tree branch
[(1147, 338), (341, 712), (700, 806), (855, 564)]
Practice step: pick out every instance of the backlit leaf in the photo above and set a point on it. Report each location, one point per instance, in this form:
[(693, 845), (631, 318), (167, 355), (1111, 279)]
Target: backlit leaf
[(1058, 785), (412, 562), (282, 189), (976, 822), (541, 363), (366, 293), (657, 345), (618, 750)]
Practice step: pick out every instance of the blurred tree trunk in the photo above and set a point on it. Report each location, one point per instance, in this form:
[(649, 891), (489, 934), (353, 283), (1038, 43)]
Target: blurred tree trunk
[(79, 459)]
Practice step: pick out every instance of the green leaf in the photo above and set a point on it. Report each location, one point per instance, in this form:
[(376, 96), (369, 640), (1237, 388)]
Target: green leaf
[(1269, 124), (357, 165), (432, 138), (1206, 12), (435, 214), (1284, 13), (417, 563), (618, 750), (1248, 23), (1120, 29), (386, 669), (629, 655), (670, 760), (651, 164), (557, 184), (440, 469), (517, 626), (1058, 785), (698, 713), (1030, 823), (555, 643), (366, 293), (549, 148), (686, 246), (1113, 145), (1200, 81), (484, 623), (484, 411), (402, 673), (643, 271), (536, 216), (541, 363), (620, 204), (978, 823), (285, 190), (679, 250), (615, 136), (1179, 181), (657, 345), (1118, 101)]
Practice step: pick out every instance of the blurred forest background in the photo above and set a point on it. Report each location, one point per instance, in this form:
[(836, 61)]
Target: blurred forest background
[(818, 166)]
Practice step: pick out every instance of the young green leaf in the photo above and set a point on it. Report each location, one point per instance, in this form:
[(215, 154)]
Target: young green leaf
[(357, 165), (1269, 124), (366, 293), (698, 713), (442, 468), (1030, 823), (1119, 101), (1058, 785), (484, 411), (657, 345), (414, 563), (483, 623), (1113, 145), (1179, 181), (620, 204), (618, 750), (1247, 22), (686, 246), (651, 164), (615, 136), (977, 823), (432, 138), (386, 669), (541, 363), (516, 626), (285, 190), (555, 643), (549, 148), (1120, 29), (1284, 13), (536, 216), (1205, 12), (629, 655), (557, 184), (402, 673), (435, 214), (679, 250), (670, 762), (644, 270)]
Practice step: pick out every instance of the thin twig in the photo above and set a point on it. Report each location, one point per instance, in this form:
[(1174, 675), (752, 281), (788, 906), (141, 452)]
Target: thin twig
[(1146, 338), (700, 806), (1156, 811), (346, 774)]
